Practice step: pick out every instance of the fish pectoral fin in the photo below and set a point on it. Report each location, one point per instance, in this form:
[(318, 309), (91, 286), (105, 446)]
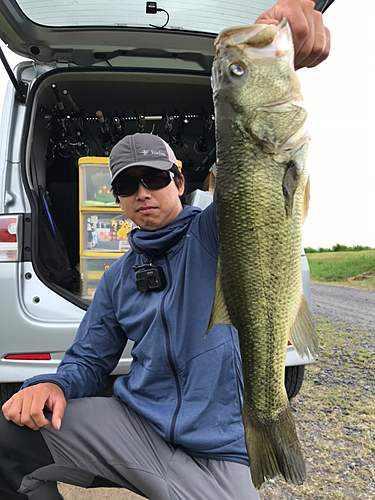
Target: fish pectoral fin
[(290, 185), (303, 335), (306, 201), (219, 311)]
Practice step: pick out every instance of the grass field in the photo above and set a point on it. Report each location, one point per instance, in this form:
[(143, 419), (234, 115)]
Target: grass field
[(353, 269)]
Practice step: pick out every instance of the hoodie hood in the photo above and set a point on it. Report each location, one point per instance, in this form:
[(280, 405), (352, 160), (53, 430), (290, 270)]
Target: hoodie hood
[(156, 242)]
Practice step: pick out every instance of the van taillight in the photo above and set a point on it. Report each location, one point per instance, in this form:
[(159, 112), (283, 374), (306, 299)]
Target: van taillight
[(10, 243), (30, 357), (8, 229)]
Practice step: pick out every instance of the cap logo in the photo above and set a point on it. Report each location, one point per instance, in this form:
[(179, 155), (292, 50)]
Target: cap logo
[(152, 152)]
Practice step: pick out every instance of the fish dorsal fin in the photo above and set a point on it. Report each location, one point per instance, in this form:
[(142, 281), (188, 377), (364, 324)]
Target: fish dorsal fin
[(303, 335), (306, 200), (219, 311)]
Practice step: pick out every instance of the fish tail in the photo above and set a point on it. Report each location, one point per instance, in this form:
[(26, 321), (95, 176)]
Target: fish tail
[(274, 449)]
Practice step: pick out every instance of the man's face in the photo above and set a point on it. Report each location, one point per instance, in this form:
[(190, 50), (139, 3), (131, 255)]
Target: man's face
[(152, 209)]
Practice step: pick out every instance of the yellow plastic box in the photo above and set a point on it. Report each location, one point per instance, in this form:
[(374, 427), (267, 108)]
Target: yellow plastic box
[(104, 231), (92, 269), (95, 183)]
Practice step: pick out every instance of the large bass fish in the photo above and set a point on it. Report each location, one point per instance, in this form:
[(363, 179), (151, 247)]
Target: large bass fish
[(261, 197)]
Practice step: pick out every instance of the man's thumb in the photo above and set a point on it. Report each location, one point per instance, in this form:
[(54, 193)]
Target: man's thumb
[(58, 413)]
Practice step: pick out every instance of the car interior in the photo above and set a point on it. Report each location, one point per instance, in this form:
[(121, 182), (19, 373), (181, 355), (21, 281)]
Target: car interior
[(84, 113)]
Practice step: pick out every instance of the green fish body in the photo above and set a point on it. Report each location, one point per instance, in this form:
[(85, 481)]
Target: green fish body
[(261, 198)]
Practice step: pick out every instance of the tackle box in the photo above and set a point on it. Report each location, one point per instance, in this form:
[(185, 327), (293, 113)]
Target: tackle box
[(103, 226), (92, 269), (104, 231), (95, 183)]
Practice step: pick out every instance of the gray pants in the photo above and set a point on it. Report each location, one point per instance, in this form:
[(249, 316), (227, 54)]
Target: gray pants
[(104, 443)]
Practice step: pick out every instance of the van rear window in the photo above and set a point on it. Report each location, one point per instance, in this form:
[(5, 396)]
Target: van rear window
[(208, 16)]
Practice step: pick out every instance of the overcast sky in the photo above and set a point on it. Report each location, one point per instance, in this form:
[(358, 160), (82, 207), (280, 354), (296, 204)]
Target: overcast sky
[(339, 96)]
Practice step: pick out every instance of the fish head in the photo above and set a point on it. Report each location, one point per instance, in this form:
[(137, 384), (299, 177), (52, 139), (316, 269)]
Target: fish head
[(253, 78)]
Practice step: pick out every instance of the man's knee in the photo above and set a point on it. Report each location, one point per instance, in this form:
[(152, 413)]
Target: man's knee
[(22, 451), (8, 435)]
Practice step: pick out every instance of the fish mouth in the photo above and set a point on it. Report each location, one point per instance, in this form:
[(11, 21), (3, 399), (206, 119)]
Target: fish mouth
[(273, 40)]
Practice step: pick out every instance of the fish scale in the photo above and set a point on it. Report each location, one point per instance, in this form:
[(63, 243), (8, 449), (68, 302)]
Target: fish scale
[(261, 195), (265, 241)]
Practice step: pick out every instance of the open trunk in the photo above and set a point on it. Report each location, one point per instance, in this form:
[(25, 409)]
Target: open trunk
[(81, 114)]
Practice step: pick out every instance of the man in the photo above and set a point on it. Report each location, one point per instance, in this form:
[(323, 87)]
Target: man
[(173, 429)]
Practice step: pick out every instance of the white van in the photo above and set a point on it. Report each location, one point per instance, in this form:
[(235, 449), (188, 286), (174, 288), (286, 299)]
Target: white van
[(96, 71)]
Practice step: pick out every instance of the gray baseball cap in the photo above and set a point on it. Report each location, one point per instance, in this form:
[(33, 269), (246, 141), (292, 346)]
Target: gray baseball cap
[(145, 150)]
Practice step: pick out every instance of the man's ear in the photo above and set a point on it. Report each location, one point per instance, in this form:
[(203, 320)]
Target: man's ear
[(181, 185)]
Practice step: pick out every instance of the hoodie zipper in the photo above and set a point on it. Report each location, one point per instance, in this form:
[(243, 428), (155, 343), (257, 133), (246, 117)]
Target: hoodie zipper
[(171, 362)]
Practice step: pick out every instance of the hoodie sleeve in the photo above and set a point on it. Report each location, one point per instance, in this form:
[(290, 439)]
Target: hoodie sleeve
[(95, 351), (205, 229)]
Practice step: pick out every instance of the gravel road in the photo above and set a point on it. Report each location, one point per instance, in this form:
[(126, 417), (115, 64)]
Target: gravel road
[(344, 305)]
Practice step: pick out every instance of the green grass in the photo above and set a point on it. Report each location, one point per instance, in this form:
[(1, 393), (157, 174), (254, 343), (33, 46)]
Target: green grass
[(344, 268)]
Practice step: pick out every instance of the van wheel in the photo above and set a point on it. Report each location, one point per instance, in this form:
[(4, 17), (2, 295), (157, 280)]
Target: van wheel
[(7, 391), (293, 379)]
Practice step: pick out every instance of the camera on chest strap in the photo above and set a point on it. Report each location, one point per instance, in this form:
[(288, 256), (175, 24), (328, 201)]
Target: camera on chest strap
[(149, 277)]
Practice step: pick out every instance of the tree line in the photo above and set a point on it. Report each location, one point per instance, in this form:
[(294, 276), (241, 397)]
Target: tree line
[(338, 248)]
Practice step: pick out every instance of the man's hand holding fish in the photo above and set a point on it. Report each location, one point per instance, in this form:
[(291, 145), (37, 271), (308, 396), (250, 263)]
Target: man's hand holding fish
[(310, 37)]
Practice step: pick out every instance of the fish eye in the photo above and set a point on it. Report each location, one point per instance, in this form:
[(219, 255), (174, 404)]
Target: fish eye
[(237, 69)]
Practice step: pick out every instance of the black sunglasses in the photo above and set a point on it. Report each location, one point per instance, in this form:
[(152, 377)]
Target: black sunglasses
[(127, 185)]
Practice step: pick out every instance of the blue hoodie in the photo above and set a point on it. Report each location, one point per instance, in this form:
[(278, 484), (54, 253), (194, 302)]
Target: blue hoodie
[(188, 387)]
